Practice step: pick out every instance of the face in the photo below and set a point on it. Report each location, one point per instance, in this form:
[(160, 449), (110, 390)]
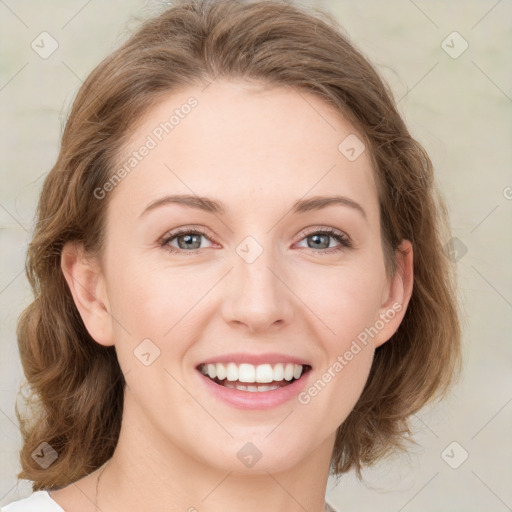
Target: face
[(281, 263)]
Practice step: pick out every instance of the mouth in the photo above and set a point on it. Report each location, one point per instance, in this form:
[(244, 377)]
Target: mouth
[(252, 378)]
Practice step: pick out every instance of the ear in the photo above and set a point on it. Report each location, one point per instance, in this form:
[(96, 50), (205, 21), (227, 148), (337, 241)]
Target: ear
[(396, 296), (87, 285)]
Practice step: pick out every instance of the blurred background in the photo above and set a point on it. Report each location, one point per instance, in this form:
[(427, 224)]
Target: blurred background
[(448, 64)]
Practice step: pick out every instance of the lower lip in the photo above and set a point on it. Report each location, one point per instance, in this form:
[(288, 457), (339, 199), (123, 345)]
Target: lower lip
[(257, 399)]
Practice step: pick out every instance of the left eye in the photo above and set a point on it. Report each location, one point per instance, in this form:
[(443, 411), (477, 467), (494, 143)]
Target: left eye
[(321, 240), (186, 240)]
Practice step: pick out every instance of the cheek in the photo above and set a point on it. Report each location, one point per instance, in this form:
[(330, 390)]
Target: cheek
[(150, 298), (345, 301), (151, 308), (338, 384), (346, 304), (350, 377), (340, 378)]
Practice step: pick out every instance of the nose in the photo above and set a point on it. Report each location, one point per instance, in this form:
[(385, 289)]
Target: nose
[(257, 296)]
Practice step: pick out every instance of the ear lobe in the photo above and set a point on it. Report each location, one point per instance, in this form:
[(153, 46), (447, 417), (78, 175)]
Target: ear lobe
[(86, 283), (399, 291)]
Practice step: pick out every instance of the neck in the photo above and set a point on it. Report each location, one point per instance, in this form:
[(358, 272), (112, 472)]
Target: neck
[(148, 469)]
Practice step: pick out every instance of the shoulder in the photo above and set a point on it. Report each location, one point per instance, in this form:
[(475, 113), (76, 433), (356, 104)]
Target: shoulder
[(38, 501)]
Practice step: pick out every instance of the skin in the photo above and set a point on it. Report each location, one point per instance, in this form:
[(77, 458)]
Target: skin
[(178, 445)]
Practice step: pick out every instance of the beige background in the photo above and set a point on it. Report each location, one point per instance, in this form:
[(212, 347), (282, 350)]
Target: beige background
[(459, 109)]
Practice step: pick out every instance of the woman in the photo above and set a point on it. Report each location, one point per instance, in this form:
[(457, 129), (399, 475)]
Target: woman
[(239, 280)]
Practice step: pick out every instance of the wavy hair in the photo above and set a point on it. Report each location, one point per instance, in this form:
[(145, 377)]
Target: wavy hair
[(75, 400)]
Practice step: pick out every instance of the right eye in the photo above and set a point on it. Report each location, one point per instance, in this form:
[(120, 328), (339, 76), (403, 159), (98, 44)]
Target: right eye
[(187, 240)]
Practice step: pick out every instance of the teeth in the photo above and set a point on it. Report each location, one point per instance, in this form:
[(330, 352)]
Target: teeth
[(246, 373), (279, 372), (221, 371), (266, 388), (250, 388), (288, 372), (263, 373), (231, 372), (211, 370)]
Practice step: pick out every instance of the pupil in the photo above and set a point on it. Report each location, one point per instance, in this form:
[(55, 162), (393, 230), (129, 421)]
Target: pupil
[(189, 241), (317, 243)]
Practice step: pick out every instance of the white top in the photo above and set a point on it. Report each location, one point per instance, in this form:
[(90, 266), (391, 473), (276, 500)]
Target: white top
[(40, 501)]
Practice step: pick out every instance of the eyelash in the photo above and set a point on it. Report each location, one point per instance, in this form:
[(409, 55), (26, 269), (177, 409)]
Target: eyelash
[(344, 240)]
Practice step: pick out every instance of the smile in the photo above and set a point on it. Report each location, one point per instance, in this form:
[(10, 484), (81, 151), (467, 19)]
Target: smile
[(252, 378), (247, 386)]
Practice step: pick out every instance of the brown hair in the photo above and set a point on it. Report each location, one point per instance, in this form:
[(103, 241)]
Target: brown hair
[(76, 385)]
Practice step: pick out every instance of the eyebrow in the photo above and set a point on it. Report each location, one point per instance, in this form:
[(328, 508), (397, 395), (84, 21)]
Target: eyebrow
[(213, 206)]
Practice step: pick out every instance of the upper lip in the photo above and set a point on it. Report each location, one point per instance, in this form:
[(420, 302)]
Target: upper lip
[(255, 359)]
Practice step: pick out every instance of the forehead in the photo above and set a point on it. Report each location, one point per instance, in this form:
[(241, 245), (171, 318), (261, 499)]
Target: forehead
[(244, 143)]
